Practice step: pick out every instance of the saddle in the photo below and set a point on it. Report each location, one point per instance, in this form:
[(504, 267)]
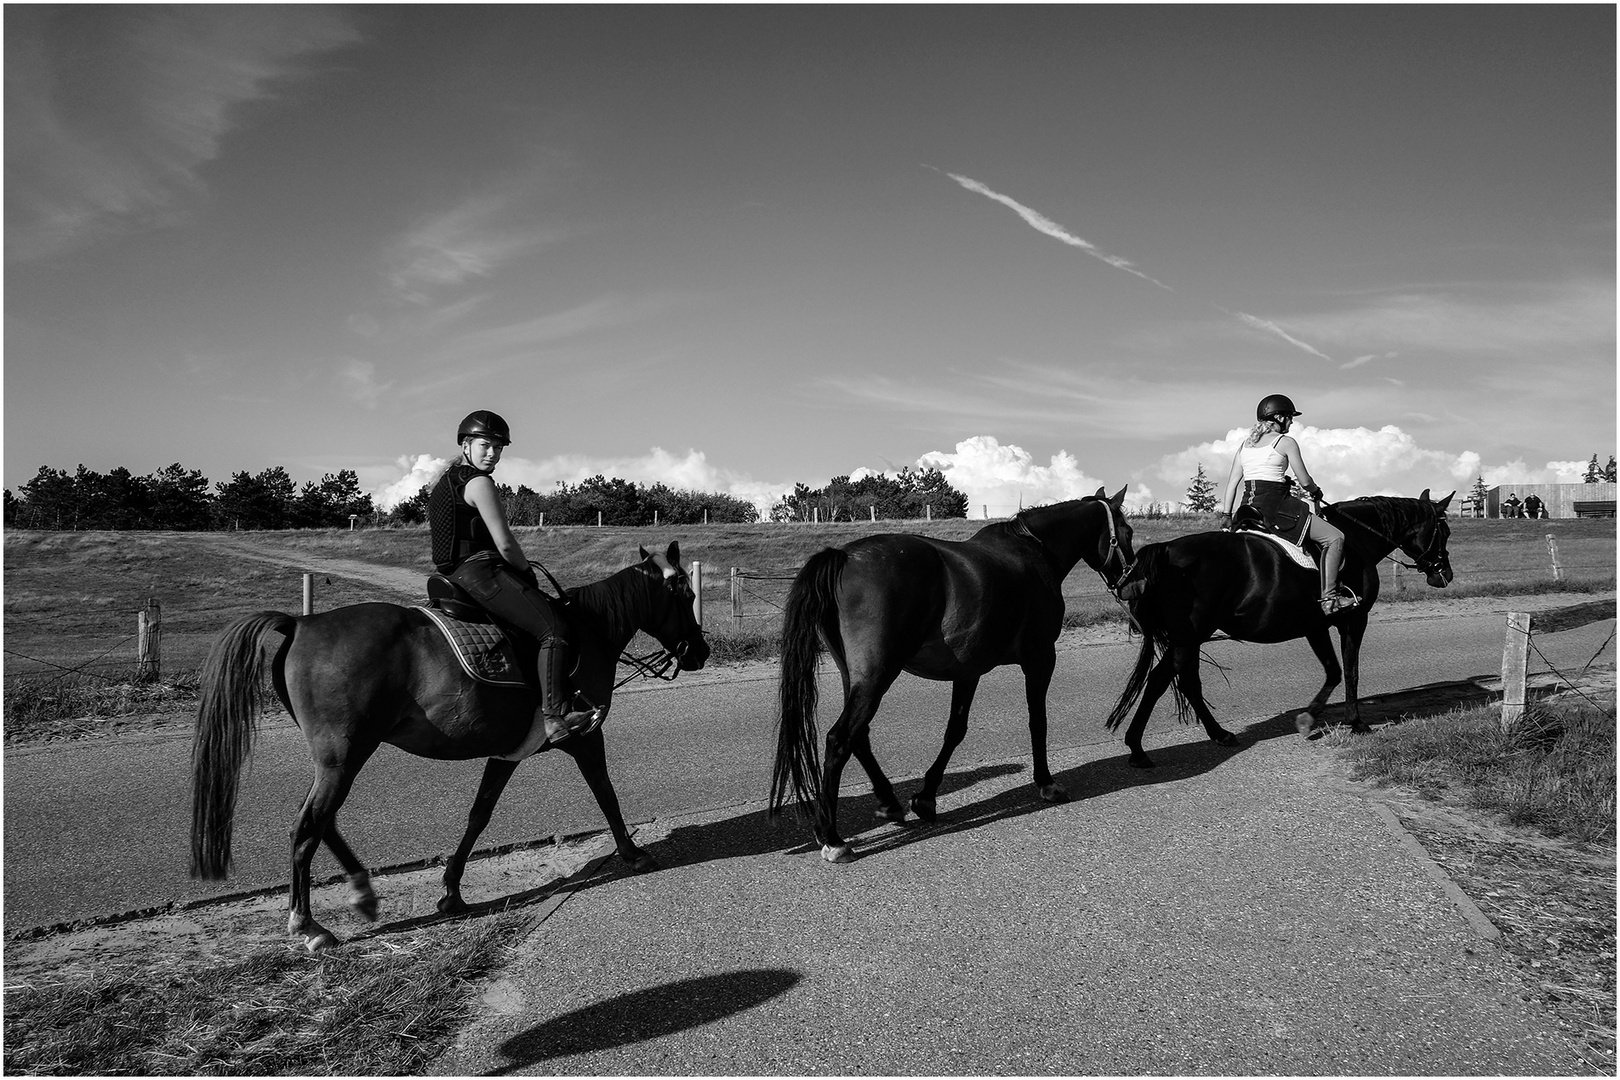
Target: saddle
[(1248, 520), (487, 650)]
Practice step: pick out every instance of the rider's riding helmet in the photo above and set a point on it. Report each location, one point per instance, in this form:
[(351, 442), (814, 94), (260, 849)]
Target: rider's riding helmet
[(1275, 405), (487, 425)]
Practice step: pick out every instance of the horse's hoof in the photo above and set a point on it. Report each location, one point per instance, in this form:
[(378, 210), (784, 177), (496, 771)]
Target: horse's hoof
[(838, 853), (894, 814), (923, 808), (1304, 722), (1356, 727), (1052, 793), (451, 904), (639, 862), (317, 938), (1141, 761), (1226, 738)]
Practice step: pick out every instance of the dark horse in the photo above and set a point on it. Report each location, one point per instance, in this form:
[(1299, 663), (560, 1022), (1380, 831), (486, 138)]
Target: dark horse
[(941, 609), (359, 676), (1245, 586)]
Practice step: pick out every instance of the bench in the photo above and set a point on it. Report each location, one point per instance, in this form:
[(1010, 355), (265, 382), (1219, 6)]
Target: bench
[(1594, 509)]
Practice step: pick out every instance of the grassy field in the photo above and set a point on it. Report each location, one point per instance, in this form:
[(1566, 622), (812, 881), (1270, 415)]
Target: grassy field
[(71, 598)]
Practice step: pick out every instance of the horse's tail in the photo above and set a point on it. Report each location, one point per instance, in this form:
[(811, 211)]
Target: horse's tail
[(1152, 570), (232, 695), (812, 613)]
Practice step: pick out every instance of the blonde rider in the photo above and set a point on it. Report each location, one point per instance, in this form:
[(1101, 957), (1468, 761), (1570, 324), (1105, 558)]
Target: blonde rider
[(1259, 472)]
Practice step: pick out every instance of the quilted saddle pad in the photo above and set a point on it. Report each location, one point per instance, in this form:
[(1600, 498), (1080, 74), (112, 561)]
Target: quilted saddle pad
[(485, 653)]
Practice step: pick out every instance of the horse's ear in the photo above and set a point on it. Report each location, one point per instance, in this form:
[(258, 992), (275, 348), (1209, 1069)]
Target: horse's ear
[(645, 555), (1425, 496), (1443, 503), (674, 553), (1119, 497), (1102, 493)]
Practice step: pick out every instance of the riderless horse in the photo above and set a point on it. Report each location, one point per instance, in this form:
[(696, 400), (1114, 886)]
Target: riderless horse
[(1247, 586), (940, 609), (356, 677)]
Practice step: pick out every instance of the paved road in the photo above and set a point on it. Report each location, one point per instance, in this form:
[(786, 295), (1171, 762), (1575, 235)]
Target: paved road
[(94, 828)]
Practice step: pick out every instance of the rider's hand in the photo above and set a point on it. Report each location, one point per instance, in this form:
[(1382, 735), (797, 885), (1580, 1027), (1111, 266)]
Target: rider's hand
[(1225, 520), (1314, 492)]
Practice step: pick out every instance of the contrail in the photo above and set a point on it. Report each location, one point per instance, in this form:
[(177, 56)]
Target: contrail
[(1042, 223), (1272, 328)]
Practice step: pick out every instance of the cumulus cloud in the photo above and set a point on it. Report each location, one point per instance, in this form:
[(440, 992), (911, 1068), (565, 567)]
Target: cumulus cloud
[(419, 471), (1003, 478), (691, 471), (1346, 462), (110, 111), (1517, 472)]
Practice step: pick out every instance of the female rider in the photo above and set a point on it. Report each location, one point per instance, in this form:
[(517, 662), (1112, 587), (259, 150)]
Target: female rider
[(474, 546), (1261, 462)]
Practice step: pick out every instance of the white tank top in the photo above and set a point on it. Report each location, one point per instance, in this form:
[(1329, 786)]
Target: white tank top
[(1263, 462)]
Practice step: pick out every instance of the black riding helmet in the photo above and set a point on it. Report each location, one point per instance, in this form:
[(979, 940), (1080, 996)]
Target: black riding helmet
[(1275, 405), (487, 425)]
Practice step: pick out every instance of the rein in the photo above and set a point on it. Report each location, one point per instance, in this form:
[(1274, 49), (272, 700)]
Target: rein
[(1425, 561), (652, 665)]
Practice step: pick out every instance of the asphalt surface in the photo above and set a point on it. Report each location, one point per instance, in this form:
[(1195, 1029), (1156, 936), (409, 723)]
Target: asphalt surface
[(98, 827), (1231, 912)]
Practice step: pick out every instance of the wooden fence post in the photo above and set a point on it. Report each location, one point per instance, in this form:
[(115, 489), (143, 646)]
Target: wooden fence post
[(309, 594), (928, 512), (599, 519), (873, 511), (1515, 653), (149, 641), (1552, 549), (736, 596), (697, 591)]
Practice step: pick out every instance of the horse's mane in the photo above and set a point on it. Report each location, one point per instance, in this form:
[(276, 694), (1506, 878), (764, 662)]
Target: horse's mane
[(609, 603), (1390, 515)]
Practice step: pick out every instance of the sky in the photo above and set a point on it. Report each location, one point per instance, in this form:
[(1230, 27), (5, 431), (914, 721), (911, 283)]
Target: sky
[(1044, 249)]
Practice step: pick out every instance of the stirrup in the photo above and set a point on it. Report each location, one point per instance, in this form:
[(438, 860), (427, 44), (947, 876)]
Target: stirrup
[(1339, 601), (570, 724)]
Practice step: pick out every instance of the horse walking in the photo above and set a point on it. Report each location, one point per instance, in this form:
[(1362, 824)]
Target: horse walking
[(356, 677), (940, 609), (1244, 585)]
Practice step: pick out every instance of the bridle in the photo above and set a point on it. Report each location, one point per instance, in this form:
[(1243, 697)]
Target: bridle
[(653, 665), (1429, 562), (1114, 549)]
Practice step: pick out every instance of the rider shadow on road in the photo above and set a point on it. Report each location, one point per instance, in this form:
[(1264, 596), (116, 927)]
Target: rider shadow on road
[(644, 1015)]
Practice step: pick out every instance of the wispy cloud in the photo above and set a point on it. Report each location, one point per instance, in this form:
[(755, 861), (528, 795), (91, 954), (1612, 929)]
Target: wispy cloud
[(473, 239), (358, 381), (110, 111), (1269, 327), (1042, 223)]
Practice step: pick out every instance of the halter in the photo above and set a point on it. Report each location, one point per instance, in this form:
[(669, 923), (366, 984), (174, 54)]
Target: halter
[(653, 665)]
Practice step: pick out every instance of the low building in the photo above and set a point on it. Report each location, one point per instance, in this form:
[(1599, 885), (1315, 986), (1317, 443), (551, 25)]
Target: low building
[(1560, 500)]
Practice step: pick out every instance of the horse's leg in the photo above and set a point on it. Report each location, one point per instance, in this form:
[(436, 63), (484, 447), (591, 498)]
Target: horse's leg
[(315, 819), (1322, 646), (1350, 631), (1157, 682), (962, 691), (361, 896), (589, 752), (859, 707), (889, 808), (497, 771), (1037, 680), (1191, 684)]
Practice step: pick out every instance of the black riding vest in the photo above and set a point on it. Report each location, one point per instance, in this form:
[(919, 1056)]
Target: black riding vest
[(1283, 514), (458, 529)]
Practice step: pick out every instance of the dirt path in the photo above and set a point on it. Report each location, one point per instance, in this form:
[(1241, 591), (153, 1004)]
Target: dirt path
[(393, 578)]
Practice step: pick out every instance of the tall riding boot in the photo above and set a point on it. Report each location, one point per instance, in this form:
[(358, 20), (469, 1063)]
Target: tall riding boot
[(1333, 600), (561, 719)]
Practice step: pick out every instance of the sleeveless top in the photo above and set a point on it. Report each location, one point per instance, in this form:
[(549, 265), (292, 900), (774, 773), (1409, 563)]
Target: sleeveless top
[(458, 530), (1263, 462)]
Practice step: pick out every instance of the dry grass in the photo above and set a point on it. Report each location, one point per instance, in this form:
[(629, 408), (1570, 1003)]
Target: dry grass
[(380, 1006)]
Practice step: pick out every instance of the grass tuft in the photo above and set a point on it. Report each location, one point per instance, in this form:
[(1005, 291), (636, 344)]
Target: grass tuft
[(1554, 771), (38, 708), (383, 1006)]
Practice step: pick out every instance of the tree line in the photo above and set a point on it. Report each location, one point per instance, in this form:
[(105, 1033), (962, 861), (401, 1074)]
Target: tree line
[(183, 499)]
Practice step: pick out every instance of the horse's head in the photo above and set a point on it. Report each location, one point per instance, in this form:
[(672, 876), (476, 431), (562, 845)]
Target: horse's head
[(1072, 531), (1424, 540), (673, 621)]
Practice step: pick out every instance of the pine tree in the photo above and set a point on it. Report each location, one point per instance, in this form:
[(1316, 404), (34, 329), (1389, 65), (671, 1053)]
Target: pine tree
[(1594, 471), (1201, 493), (1476, 495), (1609, 470)]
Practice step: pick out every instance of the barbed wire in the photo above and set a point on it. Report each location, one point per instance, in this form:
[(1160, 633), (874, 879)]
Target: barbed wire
[(1530, 642), (82, 669)]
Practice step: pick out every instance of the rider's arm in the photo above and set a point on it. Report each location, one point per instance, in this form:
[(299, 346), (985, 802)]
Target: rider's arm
[(482, 496), (1232, 483), (1290, 449)]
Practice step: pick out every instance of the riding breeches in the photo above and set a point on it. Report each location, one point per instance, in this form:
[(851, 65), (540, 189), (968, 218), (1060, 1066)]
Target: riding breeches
[(500, 591)]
